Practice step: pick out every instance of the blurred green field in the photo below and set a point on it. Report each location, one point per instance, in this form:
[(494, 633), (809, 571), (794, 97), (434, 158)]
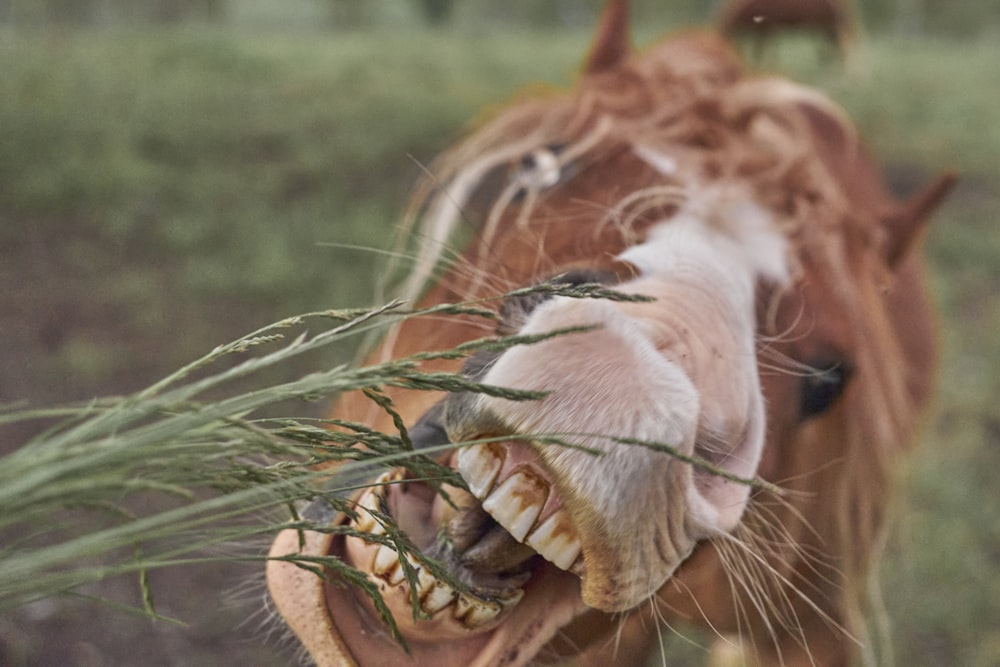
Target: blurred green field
[(163, 192)]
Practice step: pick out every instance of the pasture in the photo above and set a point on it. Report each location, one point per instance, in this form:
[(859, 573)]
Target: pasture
[(163, 192)]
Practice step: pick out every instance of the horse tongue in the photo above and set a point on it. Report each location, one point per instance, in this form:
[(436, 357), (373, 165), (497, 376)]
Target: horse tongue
[(483, 545)]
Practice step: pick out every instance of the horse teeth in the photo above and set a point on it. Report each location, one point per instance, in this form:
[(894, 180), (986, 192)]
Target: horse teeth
[(371, 500), (516, 503), (368, 500), (425, 581), (438, 596), (435, 595), (386, 560), (431, 592), (479, 466), (399, 575), (474, 613), (556, 541), (366, 522)]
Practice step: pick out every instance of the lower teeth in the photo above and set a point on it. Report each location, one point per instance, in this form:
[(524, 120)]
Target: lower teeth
[(498, 592)]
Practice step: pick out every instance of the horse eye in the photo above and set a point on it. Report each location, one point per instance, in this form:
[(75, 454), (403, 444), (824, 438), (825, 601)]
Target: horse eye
[(821, 388)]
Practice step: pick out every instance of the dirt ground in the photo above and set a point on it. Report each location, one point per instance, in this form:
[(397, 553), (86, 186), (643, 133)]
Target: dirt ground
[(67, 337)]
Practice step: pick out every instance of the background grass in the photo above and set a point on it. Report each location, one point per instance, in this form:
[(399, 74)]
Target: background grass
[(164, 191)]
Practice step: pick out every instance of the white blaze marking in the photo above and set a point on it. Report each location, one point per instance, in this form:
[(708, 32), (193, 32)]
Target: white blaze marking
[(629, 376), (734, 242)]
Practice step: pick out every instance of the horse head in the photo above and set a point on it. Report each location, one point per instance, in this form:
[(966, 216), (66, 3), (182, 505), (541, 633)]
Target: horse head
[(728, 422)]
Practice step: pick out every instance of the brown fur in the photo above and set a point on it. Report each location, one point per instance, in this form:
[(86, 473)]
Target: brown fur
[(859, 289)]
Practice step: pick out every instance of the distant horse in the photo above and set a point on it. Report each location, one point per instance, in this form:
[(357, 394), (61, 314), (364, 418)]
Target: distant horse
[(760, 20), (789, 340)]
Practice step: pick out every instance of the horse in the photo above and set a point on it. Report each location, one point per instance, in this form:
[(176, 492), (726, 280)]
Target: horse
[(774, 334), (761, 19)]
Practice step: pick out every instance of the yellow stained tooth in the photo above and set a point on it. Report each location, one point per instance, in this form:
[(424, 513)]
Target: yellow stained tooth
[(398, 576), (517, 502), (479, 466), (425, 581), (368, 500), (366, 522), (475, 613), (385, 478), (556, 540), (437, 597), (386, 560)]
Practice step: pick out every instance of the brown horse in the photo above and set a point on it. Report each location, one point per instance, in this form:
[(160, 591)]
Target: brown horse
[(788, 339), (762, 19)]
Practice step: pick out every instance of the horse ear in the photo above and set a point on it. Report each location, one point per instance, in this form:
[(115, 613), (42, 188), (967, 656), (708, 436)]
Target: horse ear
[(612, 43), (905, 221)]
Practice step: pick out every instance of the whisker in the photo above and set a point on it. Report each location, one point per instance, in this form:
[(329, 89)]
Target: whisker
[(727, 160)]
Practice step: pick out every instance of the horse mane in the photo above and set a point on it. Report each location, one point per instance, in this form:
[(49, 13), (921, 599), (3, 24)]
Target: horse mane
[(722, 135), (688, 97)]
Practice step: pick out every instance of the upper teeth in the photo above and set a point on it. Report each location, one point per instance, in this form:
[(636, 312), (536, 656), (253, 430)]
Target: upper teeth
[(479, 467), (516, 504), (556, 541)]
